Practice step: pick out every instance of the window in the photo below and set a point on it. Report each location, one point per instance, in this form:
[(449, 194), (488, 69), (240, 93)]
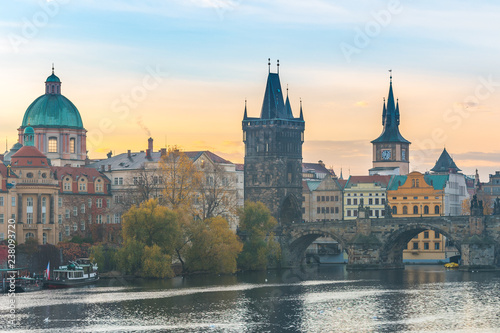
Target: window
[(119, 180), (318, 198), (82, 186), (98, 203), (29, 236), (72, 145), (1, 218), (67, 213), (336, 198), (98, 186), (328, 210), (382, 201), (29, 218), (44, 238), (82, 225), (426, 234), (336, 210), (348, 213), (415, 245), (426, 246), (322, 198), (436, 210), (354, 201), (60, 236), (13, 201), (426, 209), (348, 201), (75, 211), (394, 210), (108, 203), (82, 208), (108, 219), (59, 219), (89, 203), (318, 210), (117, 218), (405, 210), (66, 229), (75, 227), (66, 187), (376, 201), (1, 201), (52, 144), (355, 213), (415, 209), (436, 234), (436, 246)]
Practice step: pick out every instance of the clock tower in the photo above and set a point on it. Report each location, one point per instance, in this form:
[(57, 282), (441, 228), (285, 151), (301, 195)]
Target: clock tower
[(390, 150)]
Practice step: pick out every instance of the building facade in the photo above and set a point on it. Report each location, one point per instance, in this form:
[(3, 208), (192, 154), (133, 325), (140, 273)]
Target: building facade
[(391, 151), (322, 200), (273, 155), (366, 191)]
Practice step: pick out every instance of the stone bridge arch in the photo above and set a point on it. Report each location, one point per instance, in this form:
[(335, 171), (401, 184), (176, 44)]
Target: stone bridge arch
[(290, 210), (392, 249), (301, 240)]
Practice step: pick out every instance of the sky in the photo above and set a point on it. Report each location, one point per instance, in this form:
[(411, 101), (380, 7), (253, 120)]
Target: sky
[(181, 70)]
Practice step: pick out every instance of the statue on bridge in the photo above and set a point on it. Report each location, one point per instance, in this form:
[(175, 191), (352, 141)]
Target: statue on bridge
[(388, 211), (476, 206), (496, 207)]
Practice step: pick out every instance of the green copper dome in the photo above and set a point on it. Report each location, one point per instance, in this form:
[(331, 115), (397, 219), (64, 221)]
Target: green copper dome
[(52, 110), (53, 78)]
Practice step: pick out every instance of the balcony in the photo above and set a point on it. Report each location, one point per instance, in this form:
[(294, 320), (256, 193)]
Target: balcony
[(30, 181), (29, 227)]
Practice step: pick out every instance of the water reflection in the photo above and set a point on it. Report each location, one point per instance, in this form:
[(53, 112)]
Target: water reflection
[(312, 299)]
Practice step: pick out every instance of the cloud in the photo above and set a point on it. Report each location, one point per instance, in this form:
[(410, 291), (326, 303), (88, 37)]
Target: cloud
[(361, 104)]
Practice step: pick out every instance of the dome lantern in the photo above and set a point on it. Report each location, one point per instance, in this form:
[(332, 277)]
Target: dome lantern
[(53, 84)]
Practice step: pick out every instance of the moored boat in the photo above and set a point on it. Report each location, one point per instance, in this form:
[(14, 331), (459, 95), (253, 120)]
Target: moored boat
[(451, 265), (76, 273)]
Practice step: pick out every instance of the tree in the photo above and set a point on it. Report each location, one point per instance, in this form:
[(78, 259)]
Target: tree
[(156, 264), (217, 193), (150, 233), (259, 247), (487, 202), (145, 184), (213, 247), (151, 224), (181, 179), (466, 207)]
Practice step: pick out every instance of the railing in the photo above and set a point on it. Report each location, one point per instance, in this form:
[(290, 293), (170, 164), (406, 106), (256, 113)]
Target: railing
[(37, 181), (29, 227)]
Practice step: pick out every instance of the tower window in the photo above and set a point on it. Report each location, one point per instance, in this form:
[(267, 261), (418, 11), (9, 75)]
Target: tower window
[(52, 145), (72, 145)]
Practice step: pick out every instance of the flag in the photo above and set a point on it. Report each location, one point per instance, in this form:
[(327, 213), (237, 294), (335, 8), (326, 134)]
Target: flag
[(48, 270)]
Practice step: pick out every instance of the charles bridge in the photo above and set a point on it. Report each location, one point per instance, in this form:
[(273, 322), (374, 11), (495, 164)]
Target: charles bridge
[(378, 243)]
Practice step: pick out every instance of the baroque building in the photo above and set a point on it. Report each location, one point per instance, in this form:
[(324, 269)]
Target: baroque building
[(59, 132), (273, 154), (391, 151), (365, 191)]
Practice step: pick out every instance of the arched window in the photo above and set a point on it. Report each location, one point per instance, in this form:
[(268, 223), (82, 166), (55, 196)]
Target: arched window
[(405, 210), (436, 210), (82, 185), (415, 209), (72, 145), (426, 209), (52, 144), (394, 210), (29, 235)]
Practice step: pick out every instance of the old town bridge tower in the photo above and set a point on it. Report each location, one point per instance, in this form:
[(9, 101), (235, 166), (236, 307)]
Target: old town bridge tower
[(273, 154)]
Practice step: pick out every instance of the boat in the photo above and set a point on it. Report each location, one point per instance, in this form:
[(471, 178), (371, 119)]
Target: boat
[(77, 273), (20, 284), (451, 265)]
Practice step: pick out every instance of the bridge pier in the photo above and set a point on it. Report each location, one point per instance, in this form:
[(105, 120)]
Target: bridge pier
[(365, 253), (478, 253)]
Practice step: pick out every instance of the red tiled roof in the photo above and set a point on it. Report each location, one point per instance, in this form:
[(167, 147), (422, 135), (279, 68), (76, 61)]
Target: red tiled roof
[(383, 180), (215, 158), (240, 167), (29, 156), (77, 172), (342, 182), (3, 170)]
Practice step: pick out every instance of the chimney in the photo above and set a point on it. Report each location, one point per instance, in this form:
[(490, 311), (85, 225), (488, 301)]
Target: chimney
[(109, 167), (148, 153), (150, 144), (129, 154), (321, 163), (163, 152)]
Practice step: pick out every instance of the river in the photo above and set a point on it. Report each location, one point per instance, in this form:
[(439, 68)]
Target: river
[(312, 299)]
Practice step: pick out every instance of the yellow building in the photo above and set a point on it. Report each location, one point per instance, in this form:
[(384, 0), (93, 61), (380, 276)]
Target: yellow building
[(416, 195)]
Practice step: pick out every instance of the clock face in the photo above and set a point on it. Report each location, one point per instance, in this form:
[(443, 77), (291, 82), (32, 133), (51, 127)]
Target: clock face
[(386, 154)]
